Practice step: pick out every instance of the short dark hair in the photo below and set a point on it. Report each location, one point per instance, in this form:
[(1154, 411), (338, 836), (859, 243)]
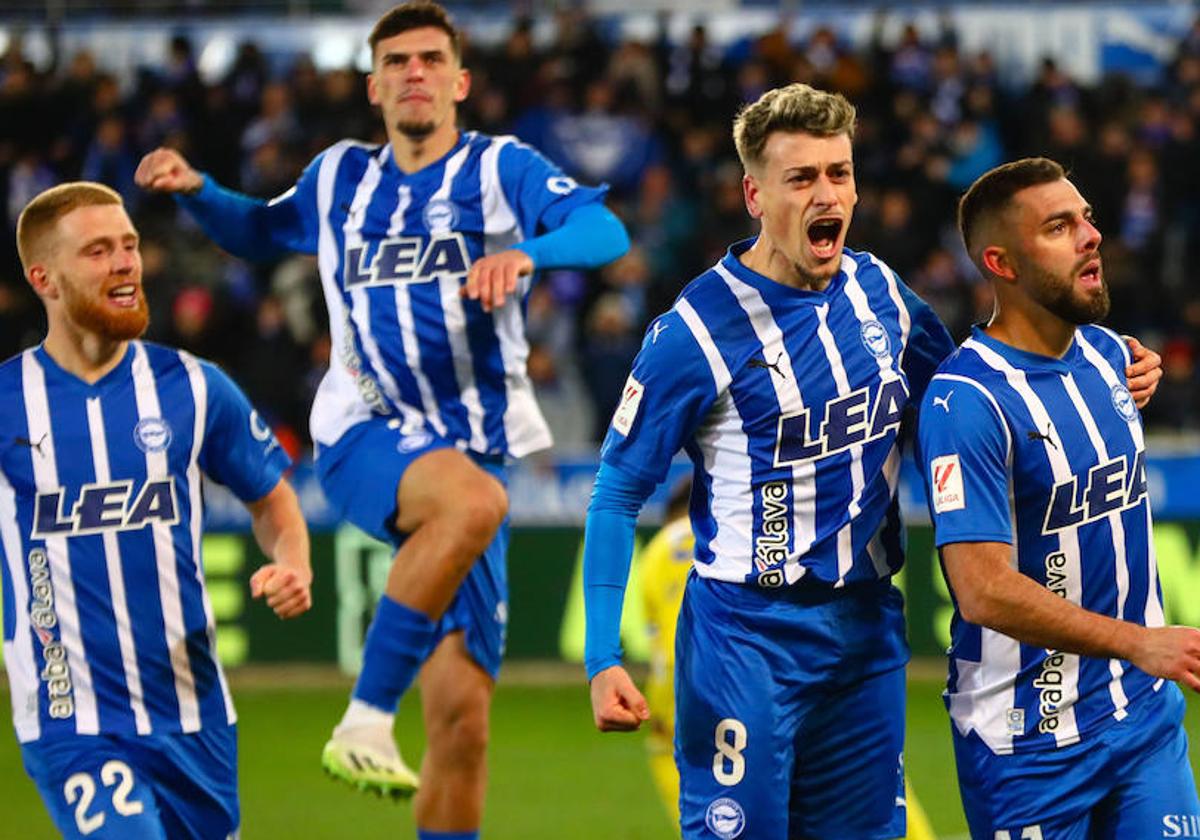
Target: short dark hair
[(994, 189), (416, 14)]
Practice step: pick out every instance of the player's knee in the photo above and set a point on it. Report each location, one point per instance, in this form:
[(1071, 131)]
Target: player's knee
[(479, 516), (460, 735)]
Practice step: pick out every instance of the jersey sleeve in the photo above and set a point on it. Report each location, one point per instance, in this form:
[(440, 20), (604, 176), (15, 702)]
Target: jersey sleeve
[(929, 343), (963, 448), (669, 391), (239, 449), (538, 191)]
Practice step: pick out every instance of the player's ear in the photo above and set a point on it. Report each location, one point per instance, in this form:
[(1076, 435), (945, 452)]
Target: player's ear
[(996, 260), (750, 193), (372, 93), (39, 279), (462, 86)]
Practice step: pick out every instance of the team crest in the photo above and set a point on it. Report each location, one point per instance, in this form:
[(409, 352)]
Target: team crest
[(725, 818), (875, 339), (413, 442), (440, 215), (152, 434), (1122, 401)]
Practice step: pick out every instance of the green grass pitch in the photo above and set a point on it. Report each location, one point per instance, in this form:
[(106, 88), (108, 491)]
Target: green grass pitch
[(552, 774)]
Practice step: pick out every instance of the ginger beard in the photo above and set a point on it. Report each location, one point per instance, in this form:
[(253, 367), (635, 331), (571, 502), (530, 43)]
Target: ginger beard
[(114, 312)]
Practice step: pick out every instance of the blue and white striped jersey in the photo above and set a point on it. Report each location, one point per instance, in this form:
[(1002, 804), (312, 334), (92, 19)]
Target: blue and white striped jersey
[(393, 251), (789, 404), (1047, 455), (107, 625)]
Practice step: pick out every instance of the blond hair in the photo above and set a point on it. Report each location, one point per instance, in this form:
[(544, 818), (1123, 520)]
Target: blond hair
[(793, 108), (41, 214)]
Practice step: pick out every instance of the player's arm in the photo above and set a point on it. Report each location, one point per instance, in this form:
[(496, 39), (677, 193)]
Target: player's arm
[(617, 497), (1144, 371), (247, 227), (928, 344), (991, 593), (282, 534), (589, 237)]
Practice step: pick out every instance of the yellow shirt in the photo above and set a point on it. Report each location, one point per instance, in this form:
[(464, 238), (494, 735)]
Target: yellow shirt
[(665, 563)]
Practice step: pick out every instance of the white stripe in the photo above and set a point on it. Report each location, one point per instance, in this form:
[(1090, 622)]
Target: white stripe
[(456, 319), (726, 449), (413, 420), (1121, 562), (954, 377), (1067, 731), (116, 580), (45, 472), (196, 498), (360, 300), (146, 394), (338, 405), (845, 544), (23, 681), (905, 317), (524, 427), (787, 394)]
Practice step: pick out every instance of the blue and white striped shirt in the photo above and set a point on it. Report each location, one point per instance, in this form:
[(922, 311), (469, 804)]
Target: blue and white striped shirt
[(394, 249), (107, 625), (1047, 455), (789, 403)]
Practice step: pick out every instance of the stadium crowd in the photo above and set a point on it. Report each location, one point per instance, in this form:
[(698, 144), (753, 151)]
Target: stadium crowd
[(652, 120)]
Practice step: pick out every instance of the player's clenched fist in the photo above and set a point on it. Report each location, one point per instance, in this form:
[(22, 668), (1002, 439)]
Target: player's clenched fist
[(493, 277), (287, 590), (165, 170), (1172, 653), (617, 705)]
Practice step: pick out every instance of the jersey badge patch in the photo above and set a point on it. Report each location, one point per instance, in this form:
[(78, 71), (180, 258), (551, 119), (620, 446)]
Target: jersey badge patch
[(725, 818), (152, 434), (631, 400), (1123, 402), (947, 484)]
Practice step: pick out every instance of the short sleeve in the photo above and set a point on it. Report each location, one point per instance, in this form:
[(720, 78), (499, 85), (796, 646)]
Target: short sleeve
[(538, 191), (668, 393), (962, 451), (239, 449)]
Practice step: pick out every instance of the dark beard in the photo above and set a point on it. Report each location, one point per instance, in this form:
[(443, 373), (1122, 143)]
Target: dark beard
[(123, 325), (1062, 300), (415, 130)]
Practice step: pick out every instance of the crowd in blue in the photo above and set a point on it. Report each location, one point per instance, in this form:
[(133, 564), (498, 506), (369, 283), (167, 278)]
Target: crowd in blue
[(652, 119)]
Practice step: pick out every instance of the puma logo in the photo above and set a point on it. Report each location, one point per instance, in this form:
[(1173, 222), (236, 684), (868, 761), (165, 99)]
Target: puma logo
[(762, 363), (36, 447), (944, 402)]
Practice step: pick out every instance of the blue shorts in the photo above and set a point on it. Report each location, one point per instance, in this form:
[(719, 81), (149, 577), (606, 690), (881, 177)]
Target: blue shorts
[(148, 787), (1131, 781), (790, 711), (360, 475)]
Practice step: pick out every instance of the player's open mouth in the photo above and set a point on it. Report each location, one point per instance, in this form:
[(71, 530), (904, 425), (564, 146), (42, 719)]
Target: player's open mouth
[(823, 236), (1090, 276), (125, 295)]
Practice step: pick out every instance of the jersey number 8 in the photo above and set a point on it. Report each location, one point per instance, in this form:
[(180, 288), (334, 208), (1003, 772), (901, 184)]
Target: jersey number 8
[(730, 752)]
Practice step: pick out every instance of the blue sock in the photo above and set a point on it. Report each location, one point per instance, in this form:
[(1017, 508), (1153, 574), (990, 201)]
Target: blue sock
[(447, 835), (397, 643)]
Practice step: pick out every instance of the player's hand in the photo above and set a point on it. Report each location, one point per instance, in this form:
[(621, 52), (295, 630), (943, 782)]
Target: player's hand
[(1172, 653), (287, 590), (1144, 373), (494, 277), (617, 705), (165, 170)]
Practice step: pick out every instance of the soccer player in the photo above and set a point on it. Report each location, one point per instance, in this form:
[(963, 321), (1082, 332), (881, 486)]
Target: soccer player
[(1066, 721), (665, 563), (426, 247), (784, 373), (124, 717)]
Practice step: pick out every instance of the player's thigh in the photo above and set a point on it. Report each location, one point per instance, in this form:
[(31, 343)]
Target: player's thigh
[(1155, 796), (94, 787), (195, 777), (361, 474), (848, 779), (733, 745), (456, 696)]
